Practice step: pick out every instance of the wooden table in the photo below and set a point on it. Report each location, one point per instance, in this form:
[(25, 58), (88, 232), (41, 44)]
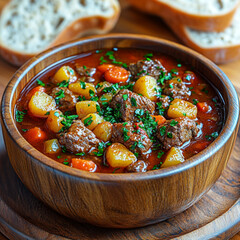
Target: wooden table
[(131, 21)]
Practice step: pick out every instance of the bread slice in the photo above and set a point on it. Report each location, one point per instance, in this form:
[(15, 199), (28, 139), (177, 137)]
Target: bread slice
[(28, 27), (203, 15), (220, 47)]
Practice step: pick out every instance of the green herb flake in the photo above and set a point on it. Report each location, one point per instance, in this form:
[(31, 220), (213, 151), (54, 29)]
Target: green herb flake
[(91, 93), (24, 130), (80, 154), (173, 123), (179, 65), (88, 121), (162, 130), (59, 156), (195, 101), (125, 97), (160, 154), (64, 83), (133, 102), (184, 114), (125, 134), (20, 115), (169, 135), (83, 85), (39, 82)]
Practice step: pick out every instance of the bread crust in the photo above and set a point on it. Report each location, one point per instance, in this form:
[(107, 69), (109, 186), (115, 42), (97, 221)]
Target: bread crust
[(219, 55), (78, 28), (207, 23)]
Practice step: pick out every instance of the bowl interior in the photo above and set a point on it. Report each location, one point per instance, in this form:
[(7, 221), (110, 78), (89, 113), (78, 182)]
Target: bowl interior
[(199, 63)]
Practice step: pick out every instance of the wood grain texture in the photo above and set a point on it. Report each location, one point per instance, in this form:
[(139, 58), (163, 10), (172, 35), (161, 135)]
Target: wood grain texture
[(129, 22)]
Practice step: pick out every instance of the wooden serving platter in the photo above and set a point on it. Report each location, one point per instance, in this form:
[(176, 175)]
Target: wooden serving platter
[(215, 216)]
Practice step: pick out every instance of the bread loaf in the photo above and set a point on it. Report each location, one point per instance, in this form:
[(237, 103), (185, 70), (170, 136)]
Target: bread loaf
[(203, 15), (220, 47), (28, 27)]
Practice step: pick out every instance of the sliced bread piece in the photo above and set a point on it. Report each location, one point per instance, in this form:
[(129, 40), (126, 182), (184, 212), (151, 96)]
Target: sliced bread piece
[(28, 27), (203, 15), (220, 47)]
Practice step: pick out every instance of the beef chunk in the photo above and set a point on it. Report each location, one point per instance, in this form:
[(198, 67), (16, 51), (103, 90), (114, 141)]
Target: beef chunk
[(128, 102), (86, 72), (152, 68), (174, 133), (175, 88), (164, 102), (139, 166), (132, 136), (78, 138), (64, 98)]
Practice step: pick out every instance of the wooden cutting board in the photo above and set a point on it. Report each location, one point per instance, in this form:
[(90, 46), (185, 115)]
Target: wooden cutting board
[(216, 215)]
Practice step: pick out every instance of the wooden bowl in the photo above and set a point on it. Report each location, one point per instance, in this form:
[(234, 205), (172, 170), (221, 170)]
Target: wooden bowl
[(119, 200)]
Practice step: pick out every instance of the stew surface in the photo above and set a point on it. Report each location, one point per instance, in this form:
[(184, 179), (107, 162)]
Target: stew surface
[(119, 110)]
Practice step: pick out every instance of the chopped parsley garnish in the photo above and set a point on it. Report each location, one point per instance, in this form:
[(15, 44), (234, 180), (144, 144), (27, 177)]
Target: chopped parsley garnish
[(24, 130), (64, 149), (125, 97), (59, 156), (195, 101), (162, 130), (64, 83), (81, 98), (111, 57), (91, 93), (67, 122), (101, 148), (149, 124), (65, 162), (125, 134), (169, 135), (170, 85), (160, 109), (184, 114), (163, 77), (214, 99), (212, 136), (133, 102), (83, 85), (160, 154), (88, 121), (70, 70), (115, 170), (179, 65), (60, 94), (80, 154), (158, 166), (84, 67), (174, 71), (39, 82), (20, 115), (148, 56), (205, 90), (173, 123)]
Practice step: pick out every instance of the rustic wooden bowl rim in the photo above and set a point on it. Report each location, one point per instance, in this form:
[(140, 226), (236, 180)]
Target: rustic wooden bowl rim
[(229, 127)]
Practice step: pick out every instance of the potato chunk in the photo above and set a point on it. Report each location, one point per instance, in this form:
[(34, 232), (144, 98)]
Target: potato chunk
[(174, 157), (83, 89), (106, 97), (84, 108), (52, 146), (41, 103), (54, 121), (92, 120), (64, 73), (103, 131), (146, 86), (118, 155), (181, 108)]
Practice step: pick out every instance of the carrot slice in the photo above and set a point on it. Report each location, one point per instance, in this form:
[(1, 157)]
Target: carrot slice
[(85, 165), (203, 106), (36, 89), (159, 119), (104, 67), (116, 75), (35, 135)]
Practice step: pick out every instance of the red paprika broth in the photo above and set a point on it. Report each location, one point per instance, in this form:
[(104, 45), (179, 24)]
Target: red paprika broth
[(209, 121)]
